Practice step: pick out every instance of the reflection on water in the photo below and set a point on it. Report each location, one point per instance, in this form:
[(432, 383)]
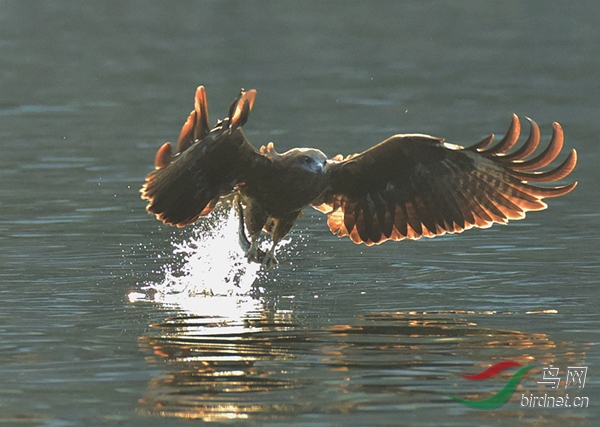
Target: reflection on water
[(267, 364), (228, 352)]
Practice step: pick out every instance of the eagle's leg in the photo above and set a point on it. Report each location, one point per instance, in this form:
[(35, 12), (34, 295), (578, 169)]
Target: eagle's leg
[(254, 219), (257, 254), (254, 253), (280, 228)]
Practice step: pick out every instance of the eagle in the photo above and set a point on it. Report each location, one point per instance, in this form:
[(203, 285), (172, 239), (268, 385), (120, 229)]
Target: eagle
[(406, 187)]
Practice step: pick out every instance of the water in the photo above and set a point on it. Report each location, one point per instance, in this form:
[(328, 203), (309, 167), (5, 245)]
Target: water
[(109, 318)]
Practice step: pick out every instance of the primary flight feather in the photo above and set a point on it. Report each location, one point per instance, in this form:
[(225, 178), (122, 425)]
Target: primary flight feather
[(407, 186)]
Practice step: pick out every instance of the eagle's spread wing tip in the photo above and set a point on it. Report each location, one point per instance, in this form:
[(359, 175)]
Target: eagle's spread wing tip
[(164, 156), (197, 124), (241, 107)]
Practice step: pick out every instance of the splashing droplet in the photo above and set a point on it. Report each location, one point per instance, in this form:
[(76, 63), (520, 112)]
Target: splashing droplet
[(209, 264)]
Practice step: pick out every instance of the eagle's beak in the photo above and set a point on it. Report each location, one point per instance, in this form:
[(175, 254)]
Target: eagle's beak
[(321, 167)]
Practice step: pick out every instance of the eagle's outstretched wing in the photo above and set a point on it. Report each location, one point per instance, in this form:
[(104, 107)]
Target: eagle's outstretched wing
[(410, 186), (209, 164)]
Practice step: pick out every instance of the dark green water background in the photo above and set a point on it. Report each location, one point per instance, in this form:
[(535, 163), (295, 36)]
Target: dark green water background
[(103, 322)]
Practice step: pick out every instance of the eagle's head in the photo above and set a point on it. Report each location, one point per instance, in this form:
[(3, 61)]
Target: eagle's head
[(309, 159)]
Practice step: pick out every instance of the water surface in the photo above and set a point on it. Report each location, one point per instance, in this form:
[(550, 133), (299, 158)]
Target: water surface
[(108, 317)]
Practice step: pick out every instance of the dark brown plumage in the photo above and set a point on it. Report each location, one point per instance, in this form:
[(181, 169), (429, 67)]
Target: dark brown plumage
[(408, 186)]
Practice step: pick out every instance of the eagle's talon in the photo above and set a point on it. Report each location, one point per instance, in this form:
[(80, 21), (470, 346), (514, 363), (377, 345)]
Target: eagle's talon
[(255, 254), (270, 260)]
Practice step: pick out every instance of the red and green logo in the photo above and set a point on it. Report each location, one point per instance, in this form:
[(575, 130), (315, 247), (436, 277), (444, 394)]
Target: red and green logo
[(503, 395)]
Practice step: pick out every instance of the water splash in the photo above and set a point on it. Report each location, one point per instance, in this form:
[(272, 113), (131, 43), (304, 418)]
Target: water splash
[(210, 276)]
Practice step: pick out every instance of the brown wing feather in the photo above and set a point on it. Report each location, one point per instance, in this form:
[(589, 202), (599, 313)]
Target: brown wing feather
[(192, 183), (196, 126), (189, 184), (411, 186)]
